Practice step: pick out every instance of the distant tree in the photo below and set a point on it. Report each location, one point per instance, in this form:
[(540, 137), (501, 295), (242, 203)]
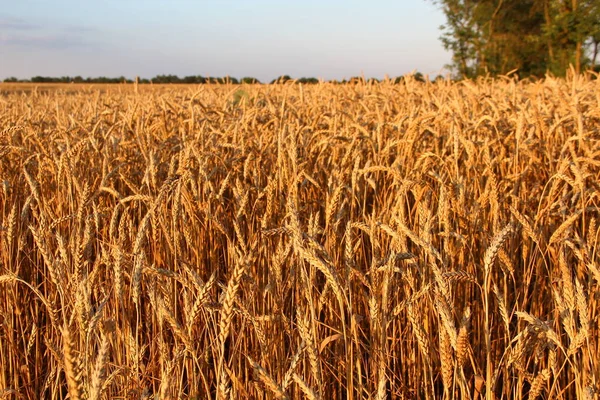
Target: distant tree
[(216, 80), (40, 79), (104, 79), (194, 79), (308, 81), (166, 79), (355, 80), (281, 79), (249, 80), (11, 79), (224, 80)]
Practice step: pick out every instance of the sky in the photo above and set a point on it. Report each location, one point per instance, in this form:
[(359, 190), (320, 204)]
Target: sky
[(327, 39)]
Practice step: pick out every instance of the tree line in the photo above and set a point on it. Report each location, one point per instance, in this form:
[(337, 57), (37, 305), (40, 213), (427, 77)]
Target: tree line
[(533, 37), (198, 79), (159, 79)]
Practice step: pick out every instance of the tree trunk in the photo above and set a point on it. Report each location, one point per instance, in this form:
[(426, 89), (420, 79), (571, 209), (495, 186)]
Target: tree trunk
[(578, 46), (548, 23), (490, 46), (578, 58)]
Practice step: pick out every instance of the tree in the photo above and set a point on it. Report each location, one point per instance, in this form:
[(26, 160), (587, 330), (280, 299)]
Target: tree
[(308, 81), (281, 79), (193, 79), (249, 80), (166, 79), (460, 35), (532, 36), (356, 80), (418, 77), (41, 79), (595, 43), (493, 36), (569, 25)]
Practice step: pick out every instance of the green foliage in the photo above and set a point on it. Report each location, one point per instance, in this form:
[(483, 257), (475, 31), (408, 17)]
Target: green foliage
[(308, 81), (355, 80), (79, 79), (419, 77), (239, 96), (532, 36), (199, 79), (166, 79), (249, 80), (194, 79), (282, 79)]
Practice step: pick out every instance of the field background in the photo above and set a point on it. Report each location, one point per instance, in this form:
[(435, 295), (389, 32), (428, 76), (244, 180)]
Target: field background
[(75, 88), (419, 240)]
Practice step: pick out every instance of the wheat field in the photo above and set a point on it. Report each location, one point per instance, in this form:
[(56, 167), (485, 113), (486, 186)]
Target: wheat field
[(401, 241)]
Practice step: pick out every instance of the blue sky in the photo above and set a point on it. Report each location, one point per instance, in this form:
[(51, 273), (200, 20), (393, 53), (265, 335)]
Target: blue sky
[(327, 39)]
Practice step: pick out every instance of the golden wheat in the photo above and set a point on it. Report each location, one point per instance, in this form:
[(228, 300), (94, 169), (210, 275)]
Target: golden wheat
[(357, 241)]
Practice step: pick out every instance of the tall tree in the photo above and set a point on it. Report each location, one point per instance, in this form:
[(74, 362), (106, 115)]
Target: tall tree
[(569, 24), (460, 35), (533, 36)]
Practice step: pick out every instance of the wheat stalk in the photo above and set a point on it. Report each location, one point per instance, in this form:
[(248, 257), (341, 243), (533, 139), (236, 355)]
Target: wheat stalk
[(267, 380), (72, 367)]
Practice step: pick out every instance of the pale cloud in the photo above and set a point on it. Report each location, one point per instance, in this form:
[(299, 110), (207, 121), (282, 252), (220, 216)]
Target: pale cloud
[(81, 29), (19, 34), (16, 24), (43, 41)]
